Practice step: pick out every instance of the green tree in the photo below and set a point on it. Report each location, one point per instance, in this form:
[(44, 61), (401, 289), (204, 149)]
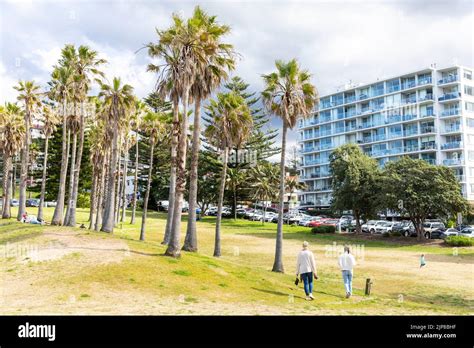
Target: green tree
[(265, 178), (355, 182), (418, 189), (231, 126), (289, 95)]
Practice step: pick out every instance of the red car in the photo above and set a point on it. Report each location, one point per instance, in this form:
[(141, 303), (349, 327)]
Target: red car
[(317, 223)]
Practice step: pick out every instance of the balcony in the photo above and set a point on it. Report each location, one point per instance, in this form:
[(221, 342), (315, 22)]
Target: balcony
[(429, 113), (461, 178), (408, 84), (448, 79), (410, 131), (395, 150), (425, 81), (452, 128), (410, 100), (350, 114), (363, 96), (430, 145), (453, 162), (451, 145), (313, 161), (450, 112), (392, 135), (449, 96), (392, 89), (339, 130), (310, 149), (326, 146), (379, 137), (325, 119), (429, 129), (394, 118), (411, 148), (350, 99), (367, 125), (409, 117), (324, 133), (428, 96), (367, 139), (430, 160), (351, 128)]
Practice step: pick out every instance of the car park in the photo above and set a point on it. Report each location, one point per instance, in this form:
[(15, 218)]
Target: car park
[(32, 202), (405, 228), (384, 227), (371, 225), (306, 220), (295, 220), (14, 202), (442, 233)]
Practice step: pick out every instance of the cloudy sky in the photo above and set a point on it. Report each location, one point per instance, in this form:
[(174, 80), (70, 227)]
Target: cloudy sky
[(338, 41)]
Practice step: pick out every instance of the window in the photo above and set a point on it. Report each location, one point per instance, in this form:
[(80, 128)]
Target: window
[(470, 155), (393, 86), (470, 122), (468, 90), (471, 171), (468, 74), (469, 107)]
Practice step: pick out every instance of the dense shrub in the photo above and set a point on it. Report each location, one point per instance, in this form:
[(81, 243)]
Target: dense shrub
[(459, 241), (386, 235), (83, 200), (324, 229), (395, 234)]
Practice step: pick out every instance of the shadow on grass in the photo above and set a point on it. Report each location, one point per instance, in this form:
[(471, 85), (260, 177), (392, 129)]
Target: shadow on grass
[(277, 293), (444, 300), (464, 258)]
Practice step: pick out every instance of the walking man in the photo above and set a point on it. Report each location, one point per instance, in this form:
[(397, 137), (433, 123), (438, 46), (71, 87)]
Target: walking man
[(306, 267), (347, 263)]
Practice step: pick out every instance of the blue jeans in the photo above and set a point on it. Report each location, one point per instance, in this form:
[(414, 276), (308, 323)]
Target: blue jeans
[(308, 282), (347, 277)]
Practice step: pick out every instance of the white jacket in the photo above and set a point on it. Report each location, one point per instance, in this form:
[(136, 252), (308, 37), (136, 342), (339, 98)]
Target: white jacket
[(347, 262), (306, 262)]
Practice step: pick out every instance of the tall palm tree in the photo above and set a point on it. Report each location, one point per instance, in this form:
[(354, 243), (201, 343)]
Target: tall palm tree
[(12, 136), (29, 95), (235, 178), (220, 58), (136, 126), (50, 121), (289, 95), (60, 91), (264, 179), (85, 65), (154, 127), (117, 101), (231, 126)]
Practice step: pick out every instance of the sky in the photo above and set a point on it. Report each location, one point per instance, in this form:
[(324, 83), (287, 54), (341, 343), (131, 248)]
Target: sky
[(337, 41)]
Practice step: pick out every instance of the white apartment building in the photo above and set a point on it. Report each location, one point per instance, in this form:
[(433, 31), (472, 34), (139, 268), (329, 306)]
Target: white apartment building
[(427, 114)]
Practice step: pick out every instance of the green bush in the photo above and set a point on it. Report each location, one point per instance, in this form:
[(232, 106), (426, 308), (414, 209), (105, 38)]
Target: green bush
[(83, 200), (395, 234), (324, 229), (459, 241), (386, 235)]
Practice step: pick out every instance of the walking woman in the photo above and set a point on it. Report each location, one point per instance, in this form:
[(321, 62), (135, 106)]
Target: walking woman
[(306, 267), (347, 263)]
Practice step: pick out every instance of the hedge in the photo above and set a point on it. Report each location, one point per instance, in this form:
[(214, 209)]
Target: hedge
[(459, 241), (324, 229)]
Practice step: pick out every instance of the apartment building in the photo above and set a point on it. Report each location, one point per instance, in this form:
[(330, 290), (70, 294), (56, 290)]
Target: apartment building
[(426, 114)]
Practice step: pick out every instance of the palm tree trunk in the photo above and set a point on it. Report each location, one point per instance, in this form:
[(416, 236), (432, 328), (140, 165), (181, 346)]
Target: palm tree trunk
[(135, 184), (14, 178), (93, 207), (75, 189), (124, 181), (234, 190), (278, 263), (43, 180), (7, 163), (71, 178), (108, 219), (147, 193), (58, 210), (173, 245), (217, 242), (119, 184), (172, 190), (190, 241), (101, 194), (25, 154)]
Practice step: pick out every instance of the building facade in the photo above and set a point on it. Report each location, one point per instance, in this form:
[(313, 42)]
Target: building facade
[(427, 114)]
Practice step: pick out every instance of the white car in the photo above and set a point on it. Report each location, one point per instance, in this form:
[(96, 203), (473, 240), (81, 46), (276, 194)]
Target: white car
[(371, 225), (467, 232), (14, 202), (297, 218), (384, 227), (269, 215), (306, 220)]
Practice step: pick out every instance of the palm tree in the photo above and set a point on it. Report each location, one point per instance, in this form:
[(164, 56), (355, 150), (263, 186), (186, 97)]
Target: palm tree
[(85, 64), (12, 136), (136, 125), (292, 185), (28, 94), (289, 95), (231, 126), (153, 126), (265, 178), (50, 120), (60, 91), (219, 60), (235, 178), (117, 100)]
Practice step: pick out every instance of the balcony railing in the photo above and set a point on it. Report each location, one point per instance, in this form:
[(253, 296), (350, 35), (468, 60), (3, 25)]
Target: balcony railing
[(392, 89), (395, 150), (411, 148), (325, 132), (429, 129), (409, 100), (452, 161), (461, 178), (350, 99), (325, 119), (428, 96), (339, 130), (410, 131), (394, 118), (424, 81), (429, 113), (451, 129), (430, 145), (451, 145), (367, 139), (408, 84), (392, 135), (379, 137), (326, 146), (429, 160), (351, 128), (449, 96), (313, 161), (367, 125), (448, 79), (310, 149), (409, 117), (363, 96), (450, 112)]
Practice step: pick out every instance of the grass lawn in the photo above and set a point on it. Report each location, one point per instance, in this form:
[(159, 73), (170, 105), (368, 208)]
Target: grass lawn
[(62, 270)]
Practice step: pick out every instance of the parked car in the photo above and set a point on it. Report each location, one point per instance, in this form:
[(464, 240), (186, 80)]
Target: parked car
[(449, 232), (467, 232), (306, 220), (269, 215), (429, 227), (14, 202), (51, 204), (32, 202), (442, 233), (405, 228), (297, 218), (384, 227), (371, 225)]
